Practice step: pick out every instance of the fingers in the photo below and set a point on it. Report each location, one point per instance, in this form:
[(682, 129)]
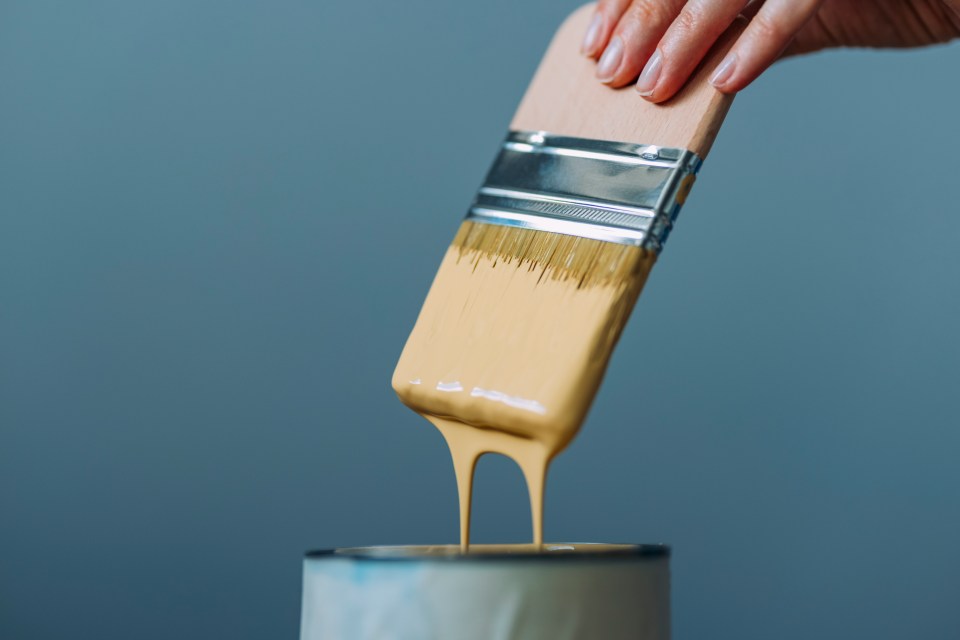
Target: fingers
[(660, 43), (687, 40), (769, 33), (605, 18), (634, 39)]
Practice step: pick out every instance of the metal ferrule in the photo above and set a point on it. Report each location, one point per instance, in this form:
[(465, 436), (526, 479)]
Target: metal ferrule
[(610, 191)]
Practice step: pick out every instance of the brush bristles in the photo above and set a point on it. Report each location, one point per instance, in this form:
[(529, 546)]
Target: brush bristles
[(558, 257)]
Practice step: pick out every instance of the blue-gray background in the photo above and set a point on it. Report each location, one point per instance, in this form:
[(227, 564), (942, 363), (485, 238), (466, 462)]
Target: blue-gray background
[(217, 224)]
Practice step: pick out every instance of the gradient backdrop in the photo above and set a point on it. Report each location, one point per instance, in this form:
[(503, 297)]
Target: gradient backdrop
[(218, 220)]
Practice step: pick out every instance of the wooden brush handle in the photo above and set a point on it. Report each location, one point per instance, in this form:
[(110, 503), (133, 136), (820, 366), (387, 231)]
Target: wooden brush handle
[(565, 98)]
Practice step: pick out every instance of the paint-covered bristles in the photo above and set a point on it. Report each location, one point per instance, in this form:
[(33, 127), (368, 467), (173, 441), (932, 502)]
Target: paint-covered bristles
[(558, 257)]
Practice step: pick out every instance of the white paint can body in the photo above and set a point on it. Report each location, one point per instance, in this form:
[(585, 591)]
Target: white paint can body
[(565, 592)]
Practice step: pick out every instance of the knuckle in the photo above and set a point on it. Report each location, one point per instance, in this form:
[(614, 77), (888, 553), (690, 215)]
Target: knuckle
[(768, 29), (649, 12), (690, 19)]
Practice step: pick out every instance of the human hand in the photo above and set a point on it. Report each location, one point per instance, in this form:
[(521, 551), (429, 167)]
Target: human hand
[(663, 41)]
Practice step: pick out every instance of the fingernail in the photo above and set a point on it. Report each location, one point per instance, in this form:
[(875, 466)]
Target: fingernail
[(610, 60), (725, 71), (647, 81), (591, 40)]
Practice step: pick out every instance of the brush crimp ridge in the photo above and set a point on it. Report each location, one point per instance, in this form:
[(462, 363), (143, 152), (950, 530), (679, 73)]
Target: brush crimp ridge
[(611, 191)]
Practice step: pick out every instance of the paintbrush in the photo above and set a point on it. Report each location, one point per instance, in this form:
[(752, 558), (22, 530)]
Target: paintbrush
[(518, 327)]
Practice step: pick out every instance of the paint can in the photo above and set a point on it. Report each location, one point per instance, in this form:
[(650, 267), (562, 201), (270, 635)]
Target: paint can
[(494, 592)]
